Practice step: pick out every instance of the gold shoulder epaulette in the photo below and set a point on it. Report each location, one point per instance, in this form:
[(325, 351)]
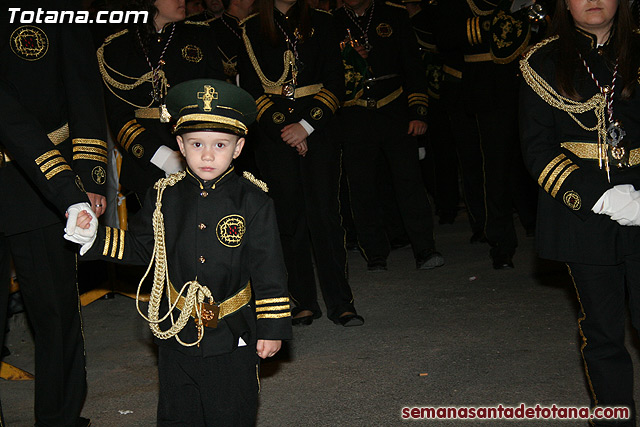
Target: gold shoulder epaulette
[(113, 36), (323, 11), (537, 46), (169, 181), (248, 17), (399, 6), (255, 181), (201, 23)]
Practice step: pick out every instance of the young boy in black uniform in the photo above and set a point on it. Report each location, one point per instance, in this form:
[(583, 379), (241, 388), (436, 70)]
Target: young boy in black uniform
[(213, 238)]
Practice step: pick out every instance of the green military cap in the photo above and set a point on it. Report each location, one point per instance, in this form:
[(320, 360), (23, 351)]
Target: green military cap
[(208, 104)]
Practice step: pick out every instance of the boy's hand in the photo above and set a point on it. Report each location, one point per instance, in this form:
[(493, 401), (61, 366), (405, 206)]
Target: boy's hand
[(79, 228), (268, 348)]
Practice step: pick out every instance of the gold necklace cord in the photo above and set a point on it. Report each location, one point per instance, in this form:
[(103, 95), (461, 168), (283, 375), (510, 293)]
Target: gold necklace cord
[(475, 9), (597, 103), (111, 82), (288, 58), (196, 293)]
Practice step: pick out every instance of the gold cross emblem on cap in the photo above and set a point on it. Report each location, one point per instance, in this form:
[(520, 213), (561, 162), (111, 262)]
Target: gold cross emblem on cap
[(207, 96)]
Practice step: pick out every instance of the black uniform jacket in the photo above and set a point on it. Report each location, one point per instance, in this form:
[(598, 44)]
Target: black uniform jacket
[(394, 52), (229, 38), (321, 63), (50, 78), (191, 54), (198, 246), (425, 25), (567, 229), (465, 28)]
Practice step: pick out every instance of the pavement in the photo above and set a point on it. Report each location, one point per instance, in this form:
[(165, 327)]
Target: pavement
[(460, 335)]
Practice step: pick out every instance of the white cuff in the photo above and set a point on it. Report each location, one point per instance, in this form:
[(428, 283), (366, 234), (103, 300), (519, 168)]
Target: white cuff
[(161, 155), (305, 124)]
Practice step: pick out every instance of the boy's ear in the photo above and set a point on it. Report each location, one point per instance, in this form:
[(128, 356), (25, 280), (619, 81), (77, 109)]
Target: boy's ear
[(238, 149), (180, 144)]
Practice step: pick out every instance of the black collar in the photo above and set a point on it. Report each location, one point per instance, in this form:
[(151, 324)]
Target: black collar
[(212, 184)]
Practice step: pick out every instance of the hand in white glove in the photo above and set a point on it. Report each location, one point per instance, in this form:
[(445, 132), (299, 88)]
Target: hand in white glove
[(615, 199), (628, 215), (77, 234), (168, 160)]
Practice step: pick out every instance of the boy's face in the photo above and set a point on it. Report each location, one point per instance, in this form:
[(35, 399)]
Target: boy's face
[(209, 154)]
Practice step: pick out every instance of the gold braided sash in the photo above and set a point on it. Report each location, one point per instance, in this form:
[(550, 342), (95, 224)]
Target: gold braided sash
[(596, 103)]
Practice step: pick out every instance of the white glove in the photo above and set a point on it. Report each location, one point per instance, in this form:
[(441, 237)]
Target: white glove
[(628, 215), (615, 199), (82, 236), (168, 160), (422, 153)]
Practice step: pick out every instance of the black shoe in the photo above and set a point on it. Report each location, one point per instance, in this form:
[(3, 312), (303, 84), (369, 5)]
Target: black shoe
[(304, 320), (377, 264), (349, 320), (447, 218), (83, 422), (478, 237), (399, 243), (352, 246), (502, 263), (429, 259)]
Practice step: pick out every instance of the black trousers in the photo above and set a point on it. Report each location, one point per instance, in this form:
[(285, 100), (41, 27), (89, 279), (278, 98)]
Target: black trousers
[(366, 135), (440, 166), (305, 191), (208, 391), (498, 131), (601, 292), (464, 134), (45, 264)]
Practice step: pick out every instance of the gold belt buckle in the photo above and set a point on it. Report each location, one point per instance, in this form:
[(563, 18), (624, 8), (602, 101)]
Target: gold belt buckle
[(209, 313), (618, 156), (371, 103)]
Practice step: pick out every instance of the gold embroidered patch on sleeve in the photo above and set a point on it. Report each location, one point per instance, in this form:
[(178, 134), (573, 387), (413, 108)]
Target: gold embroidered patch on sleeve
[(278, 117), (137, 150), (572, 199), (230, 230), (99, 175), (317, 113)]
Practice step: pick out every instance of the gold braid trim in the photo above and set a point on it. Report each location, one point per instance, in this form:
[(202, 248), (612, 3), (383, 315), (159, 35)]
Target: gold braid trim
[(110, 82), (255, 181), (288, 59), (475, 9), (196, 293), (596, 103)]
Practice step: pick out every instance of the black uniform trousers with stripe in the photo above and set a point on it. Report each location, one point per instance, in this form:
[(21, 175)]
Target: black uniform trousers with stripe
[(368, 134), (602, 291), (305, 193), (45, 265)]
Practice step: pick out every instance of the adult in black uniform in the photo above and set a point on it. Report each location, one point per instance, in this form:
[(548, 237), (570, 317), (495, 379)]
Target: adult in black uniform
[(296, 156), (490, 88), (137, 66), (464, 132), (53, 139), (581, 93), (440, 162), (381, 118)]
